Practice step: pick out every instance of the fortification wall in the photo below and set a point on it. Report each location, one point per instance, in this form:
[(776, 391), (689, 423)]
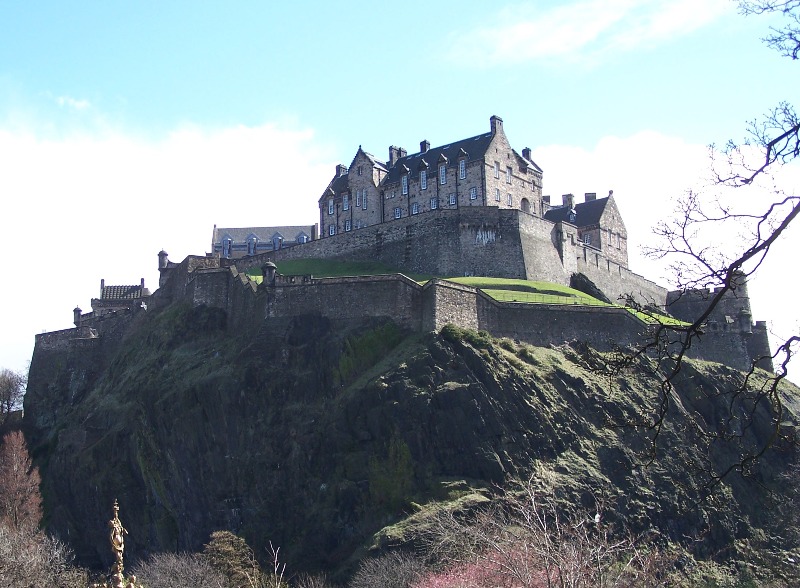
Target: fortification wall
[(446, 302), (539, 241), (616, 281), (349, 299)]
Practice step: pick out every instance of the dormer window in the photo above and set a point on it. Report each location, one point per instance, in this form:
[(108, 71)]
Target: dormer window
[(404, 184), (443, 174), (462, 168), (252, 241), (423, 179), (572, 216), (227, 246)]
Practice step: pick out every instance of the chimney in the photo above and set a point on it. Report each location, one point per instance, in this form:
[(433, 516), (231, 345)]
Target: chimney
[(142, 285), (589, 196), (102, 287), (341, 170), (424, 146), (546, 200), (496, 124), (395, 153), (568, 200), (526, 153)]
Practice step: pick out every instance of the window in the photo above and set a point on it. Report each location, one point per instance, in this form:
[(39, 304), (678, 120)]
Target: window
[(443, 174), (360, 171), (330, 206), (397, 212), (510, 200), (508, 175), (394, 193), (473, 193), (462, 168), (415, 208), (405, 184), (497, 194), (364, 199), (423, 180), (358, 199), (346, 202), (587, 238), (331, 230), (302, 238), (251, 245), (347, 225), (227, 246), (452, 199), (434, 203), (496, 169)]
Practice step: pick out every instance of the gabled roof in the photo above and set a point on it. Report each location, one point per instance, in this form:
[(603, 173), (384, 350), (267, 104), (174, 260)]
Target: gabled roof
[(586, 213), (474, 147), (373, 160)]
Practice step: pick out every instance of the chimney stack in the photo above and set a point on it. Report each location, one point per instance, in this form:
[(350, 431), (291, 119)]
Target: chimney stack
[(395, 153), (424, 146), (546, 199), (568, 200), (589, 196), (341, 170), (102, 287), (496, 124), (526, 153)]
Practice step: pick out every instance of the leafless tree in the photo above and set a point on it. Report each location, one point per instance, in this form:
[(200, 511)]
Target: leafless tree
[(12, 389), (30, 559), (178, 570), (20, 500), (523, 539), (698, 261), (312, 581), (395, 569)]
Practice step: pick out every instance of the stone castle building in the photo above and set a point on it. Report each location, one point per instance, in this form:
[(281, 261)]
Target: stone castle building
[(471, 207)]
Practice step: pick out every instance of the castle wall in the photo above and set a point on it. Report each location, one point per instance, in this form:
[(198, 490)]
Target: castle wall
[(446, 302), (616, 281), (538, 248)]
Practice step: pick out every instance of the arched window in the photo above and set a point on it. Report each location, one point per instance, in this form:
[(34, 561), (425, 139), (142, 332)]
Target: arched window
[(525, 205)]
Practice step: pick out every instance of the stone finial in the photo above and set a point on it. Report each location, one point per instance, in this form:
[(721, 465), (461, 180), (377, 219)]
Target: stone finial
[(268, 271)]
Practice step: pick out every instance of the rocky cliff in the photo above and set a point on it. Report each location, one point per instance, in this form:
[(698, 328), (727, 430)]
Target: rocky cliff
[(317, 435)]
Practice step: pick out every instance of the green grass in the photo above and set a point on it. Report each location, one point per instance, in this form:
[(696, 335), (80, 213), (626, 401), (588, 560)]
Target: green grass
[(501, 289)]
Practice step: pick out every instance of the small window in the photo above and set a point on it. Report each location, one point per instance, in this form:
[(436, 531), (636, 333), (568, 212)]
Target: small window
[(496, 169), (331, 230), (462, 168), (415, 208), (587, 238), (394, 193), (330, 206), (358, 199), (434, 203), (452, 199), (397, 212), (364, 199), (443, 174), (227, 246), (347, 225), (360, 171), (572, 216), (510, 200), (346, 202), (473, 193), (497, 194), (423, 180), (405, 184), (302, 238), (508, 175)]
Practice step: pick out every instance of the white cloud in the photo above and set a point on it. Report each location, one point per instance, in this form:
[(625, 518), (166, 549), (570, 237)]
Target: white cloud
[(101, 205), (72, 103), (581, 30)]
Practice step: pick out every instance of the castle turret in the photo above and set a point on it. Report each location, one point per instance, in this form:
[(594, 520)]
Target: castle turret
[(76, 316), (163, 259), (268, 271)]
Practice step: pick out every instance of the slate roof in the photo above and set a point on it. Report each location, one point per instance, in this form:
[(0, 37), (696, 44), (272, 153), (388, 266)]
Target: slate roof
[(586, 213), (240, 234), (123, 292), (474, 147)]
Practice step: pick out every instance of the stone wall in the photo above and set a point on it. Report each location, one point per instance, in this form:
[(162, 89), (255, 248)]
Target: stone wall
[(618, 282)]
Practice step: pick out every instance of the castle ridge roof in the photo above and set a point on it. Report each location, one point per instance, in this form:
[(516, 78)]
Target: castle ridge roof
[(240, 235), (123, 292), (474, 147), (586, 213)]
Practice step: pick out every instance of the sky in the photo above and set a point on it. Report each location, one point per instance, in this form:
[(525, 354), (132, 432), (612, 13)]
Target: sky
[(128, 127)]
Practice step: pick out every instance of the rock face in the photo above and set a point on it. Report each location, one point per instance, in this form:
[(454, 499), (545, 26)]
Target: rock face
[(316, 435)]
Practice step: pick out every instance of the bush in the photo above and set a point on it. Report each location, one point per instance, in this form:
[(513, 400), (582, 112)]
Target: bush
[(31, 558), (393, 570), (178, 570)]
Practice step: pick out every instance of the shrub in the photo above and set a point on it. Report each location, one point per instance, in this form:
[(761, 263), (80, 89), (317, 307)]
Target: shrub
[(178, 570)]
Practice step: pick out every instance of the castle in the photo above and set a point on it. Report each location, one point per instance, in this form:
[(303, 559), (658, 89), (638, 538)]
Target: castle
[(471, 207)]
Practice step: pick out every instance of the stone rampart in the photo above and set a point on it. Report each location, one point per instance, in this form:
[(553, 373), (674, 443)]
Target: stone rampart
[(618, 282)]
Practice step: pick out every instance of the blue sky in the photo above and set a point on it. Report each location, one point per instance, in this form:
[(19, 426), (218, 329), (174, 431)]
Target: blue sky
[(128, 127)]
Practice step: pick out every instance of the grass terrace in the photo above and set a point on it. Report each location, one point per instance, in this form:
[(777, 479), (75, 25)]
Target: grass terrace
[(501, 289)]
